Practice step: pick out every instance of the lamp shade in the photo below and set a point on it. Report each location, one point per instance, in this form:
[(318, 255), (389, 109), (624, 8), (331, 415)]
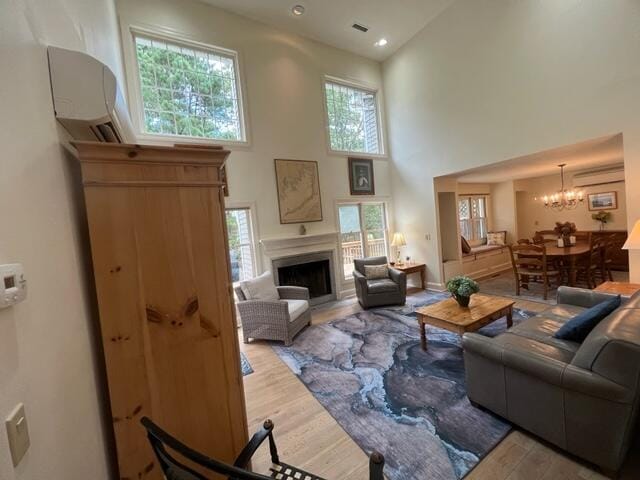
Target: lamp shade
[(398, 240), (633, 240)]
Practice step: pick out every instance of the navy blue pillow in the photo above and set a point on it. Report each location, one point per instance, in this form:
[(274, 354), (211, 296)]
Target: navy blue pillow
[(579, 326)]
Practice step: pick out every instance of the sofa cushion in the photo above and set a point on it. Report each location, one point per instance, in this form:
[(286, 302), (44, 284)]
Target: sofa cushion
[(382, 285), (359, 263), (373, 272), (542, 328), (260, 288), (524, 344), (296, 308), (497, 238), (466, 248), (581, 325)]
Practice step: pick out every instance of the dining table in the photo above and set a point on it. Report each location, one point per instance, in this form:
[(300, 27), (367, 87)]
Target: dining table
[(569, 256)]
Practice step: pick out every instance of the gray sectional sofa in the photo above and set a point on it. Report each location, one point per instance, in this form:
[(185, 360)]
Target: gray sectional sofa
[(583, 398)]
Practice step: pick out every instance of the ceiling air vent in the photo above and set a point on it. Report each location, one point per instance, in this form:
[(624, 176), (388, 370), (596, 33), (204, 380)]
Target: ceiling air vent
[(362, 28)]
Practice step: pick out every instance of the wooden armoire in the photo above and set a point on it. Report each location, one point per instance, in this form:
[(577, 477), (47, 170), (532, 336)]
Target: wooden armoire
[(160, 257)]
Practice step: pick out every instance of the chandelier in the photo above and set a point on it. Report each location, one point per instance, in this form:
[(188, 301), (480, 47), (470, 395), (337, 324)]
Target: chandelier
[(563, 199)]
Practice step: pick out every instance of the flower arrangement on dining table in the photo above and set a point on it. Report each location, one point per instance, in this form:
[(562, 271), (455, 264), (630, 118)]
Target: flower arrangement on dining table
[(565, 230), (461, 288)]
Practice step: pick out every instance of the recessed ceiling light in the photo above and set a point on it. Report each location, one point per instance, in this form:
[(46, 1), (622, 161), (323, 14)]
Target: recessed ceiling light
[(381, 43), (297, 10)]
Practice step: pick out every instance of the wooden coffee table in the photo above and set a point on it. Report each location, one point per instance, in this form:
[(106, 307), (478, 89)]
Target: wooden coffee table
[(447, 314)]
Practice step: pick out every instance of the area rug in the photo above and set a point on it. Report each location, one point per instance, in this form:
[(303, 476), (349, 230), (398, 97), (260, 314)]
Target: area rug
[(369, 372), (245, 365)]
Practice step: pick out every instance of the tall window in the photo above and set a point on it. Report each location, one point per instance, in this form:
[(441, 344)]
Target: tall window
[(352, 119), (363, 232), (188, 91), (241, 251), (472, 213)]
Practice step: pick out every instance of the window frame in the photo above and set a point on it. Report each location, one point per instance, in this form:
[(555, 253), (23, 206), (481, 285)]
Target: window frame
[(365, 247), (253, 233), (469, 199), (136, 104), (377, 92)]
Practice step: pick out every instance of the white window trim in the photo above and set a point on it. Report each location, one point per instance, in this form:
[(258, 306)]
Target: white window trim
[(136, 106), (255, 250), (351, 201), (379, 117), (487, 216)]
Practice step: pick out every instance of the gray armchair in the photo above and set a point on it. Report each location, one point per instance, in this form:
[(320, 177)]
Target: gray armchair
[(583, 397), (275, 320), (382, 291)]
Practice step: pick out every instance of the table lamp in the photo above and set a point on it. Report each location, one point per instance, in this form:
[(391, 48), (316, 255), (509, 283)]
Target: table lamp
[(399, 242), (633, 240)]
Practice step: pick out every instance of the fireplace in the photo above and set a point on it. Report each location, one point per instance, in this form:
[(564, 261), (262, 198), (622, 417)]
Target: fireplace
[(313, 271)]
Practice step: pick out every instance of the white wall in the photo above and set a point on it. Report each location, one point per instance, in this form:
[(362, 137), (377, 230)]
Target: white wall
[(533, 216), (283, 76), (491, 80), (46, 346), (503, 209)]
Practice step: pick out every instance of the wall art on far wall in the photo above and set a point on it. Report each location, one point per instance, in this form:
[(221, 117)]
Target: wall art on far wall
[(298, 186), (361, 181), (603, 201)]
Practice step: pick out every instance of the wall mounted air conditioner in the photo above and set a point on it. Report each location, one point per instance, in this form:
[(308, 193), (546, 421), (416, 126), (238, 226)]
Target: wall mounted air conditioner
[(86, 98), (599, 177)]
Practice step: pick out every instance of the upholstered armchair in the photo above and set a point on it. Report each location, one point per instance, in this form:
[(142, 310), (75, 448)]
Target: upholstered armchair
[(380, 291), (280, 317)]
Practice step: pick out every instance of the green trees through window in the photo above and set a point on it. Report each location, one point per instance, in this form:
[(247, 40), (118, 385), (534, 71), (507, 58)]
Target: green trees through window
[(186, 91), (352, 118)]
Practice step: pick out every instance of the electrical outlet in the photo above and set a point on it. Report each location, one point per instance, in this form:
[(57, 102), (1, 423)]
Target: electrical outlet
[(18, 433), (427, 236)]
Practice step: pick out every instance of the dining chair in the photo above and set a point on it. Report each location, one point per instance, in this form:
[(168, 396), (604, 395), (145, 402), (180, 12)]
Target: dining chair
[(612, 244), (543, 235), (530, 261), (174, 469), (593, 263)]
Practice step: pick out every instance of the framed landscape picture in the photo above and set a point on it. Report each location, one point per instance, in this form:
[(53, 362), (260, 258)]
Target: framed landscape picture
[(603, 201), (298, 186), (361, 181)]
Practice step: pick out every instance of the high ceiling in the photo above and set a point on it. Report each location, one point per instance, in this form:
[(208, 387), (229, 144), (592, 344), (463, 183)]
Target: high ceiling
[(592, 154), (330, 21)]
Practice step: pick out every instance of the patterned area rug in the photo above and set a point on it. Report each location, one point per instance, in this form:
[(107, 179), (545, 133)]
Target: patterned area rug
[(369, 372), (245, 365)]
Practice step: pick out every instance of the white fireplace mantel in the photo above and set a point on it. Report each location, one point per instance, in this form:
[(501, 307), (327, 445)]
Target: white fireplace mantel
[(283, 246)]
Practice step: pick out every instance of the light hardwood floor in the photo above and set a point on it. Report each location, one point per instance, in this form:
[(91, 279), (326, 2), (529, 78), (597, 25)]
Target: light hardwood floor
[(308, 437)]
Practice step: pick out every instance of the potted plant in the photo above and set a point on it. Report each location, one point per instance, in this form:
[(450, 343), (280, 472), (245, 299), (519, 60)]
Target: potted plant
[(601, 217), (461, 288)]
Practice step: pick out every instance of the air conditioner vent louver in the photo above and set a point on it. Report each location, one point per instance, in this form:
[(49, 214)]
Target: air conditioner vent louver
[(360, 27), (106, 133), (599, 177)]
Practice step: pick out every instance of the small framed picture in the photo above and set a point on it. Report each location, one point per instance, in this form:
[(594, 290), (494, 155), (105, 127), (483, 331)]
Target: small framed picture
[(603, 201), (361, 181)]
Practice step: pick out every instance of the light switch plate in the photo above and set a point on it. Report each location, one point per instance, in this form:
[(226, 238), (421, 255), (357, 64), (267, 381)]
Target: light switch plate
[(18, 433)]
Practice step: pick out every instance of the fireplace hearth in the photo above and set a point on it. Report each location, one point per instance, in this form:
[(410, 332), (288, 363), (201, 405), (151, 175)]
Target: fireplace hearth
[(313, 271)]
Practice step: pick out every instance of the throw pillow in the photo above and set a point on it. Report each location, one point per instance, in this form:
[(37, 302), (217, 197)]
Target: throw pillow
[(260, 288), (466, 248), (496, 238), (581, 325), (373, 272)]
